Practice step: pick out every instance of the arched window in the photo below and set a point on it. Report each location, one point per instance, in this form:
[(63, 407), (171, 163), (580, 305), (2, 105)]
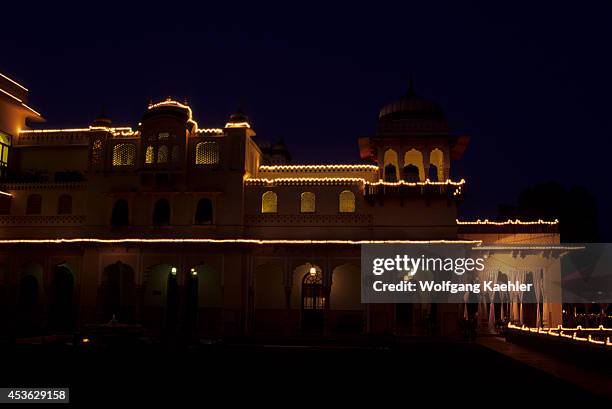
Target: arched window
[(176, 154), (268, 202), (207, 153), (307, 202), (162, 154), (436, 157), (161, 212), (433, 173), (149, 154), (34, 204), (347, 202), (64, 204), (414, 158), (391, 164), (121, 213), (124, 154), (204, 211)]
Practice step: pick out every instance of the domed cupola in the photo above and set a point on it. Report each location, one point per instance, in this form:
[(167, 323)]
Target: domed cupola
[(411, 114), (168, 108), (238, 120)]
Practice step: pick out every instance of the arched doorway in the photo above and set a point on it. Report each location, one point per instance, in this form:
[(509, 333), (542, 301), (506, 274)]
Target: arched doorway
[(313, 300), (29, 308), (118, 292), (161, 297), (61, 315), (204, 299)]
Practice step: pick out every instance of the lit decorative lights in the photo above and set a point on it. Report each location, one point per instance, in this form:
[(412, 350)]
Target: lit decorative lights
[(263, 181), (19, 100), (171, 102), (230, 241), (5, 194), (317, 168), (508, 222), (237, 125), (14, 82), (118, 131), (560, 332)]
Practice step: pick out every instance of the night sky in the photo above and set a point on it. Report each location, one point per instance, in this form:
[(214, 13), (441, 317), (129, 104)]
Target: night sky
[(530, 83)]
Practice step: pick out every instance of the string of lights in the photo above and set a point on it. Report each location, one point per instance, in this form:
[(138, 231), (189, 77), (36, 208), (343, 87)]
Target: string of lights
[(317, 168), (264, 181), (508, 222), (20, 101), (228, 241), (14, 82), (560, 332)]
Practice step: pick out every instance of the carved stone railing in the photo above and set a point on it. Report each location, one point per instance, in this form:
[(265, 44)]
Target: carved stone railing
[(38, 220)]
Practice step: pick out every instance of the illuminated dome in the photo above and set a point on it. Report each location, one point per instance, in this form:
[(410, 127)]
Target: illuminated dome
[(168, 107), (238, 120), (411, 114)]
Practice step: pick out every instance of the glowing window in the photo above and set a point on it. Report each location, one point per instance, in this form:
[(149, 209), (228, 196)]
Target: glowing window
[(436, 158), (124, 154), (307, 202), (163, 135), (162, 154), (176, 154), (97, 155), (347, 202), (268, 202), (207, 153), (149, 155)]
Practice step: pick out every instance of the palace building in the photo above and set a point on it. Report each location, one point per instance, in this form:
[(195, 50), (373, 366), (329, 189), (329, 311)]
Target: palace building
[(182, 227)]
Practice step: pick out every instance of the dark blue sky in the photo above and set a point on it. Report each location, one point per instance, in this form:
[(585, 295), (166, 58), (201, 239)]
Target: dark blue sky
[(530, 82)]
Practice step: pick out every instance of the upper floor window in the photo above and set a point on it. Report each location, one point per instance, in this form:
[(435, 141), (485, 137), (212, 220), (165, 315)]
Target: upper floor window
[(269, 202), (207, 153), (124, 154), (34, 204), (161, 212), (64, 204), (97, 152), (204, 211), (149, 154), (5, 143), (121, 213), (307, 202), (162, 154), (347, 202)]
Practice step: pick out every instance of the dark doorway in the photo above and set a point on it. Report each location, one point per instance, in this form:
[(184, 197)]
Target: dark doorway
[(161, 212), (433, 172), (313, 301), (411, 173), (118, 292), (61, 314), (172, 302), (191, 303), (390, 173), (204, 212), (121, 213)]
